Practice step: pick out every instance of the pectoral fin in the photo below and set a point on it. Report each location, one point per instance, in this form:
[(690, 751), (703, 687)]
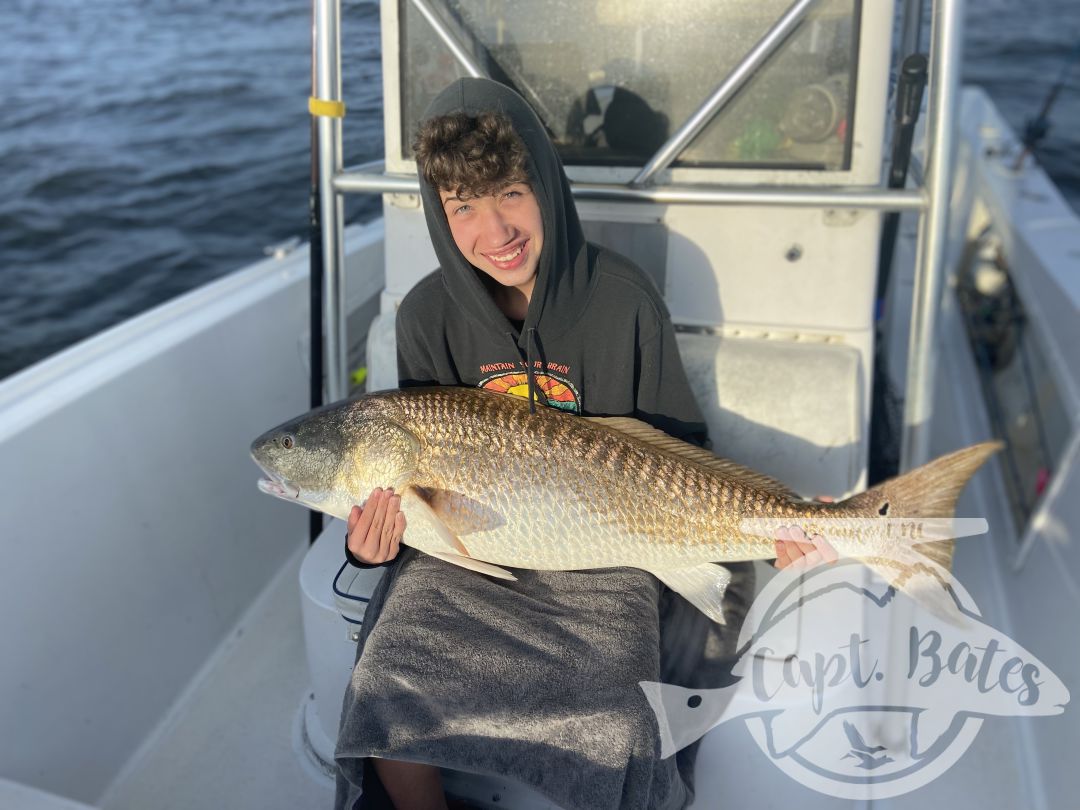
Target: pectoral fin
[(702, 586), (416, 500), (418, 503), (474, 565), (461, 514)]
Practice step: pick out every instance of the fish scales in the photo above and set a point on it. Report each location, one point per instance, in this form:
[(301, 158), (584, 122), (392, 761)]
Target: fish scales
[(593, 489), (487, 483)]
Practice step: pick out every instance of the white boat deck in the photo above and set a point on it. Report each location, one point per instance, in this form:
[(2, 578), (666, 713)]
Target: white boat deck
[(229, 740)]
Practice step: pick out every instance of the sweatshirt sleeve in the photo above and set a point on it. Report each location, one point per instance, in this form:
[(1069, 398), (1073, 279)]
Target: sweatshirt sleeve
[(664, 397)]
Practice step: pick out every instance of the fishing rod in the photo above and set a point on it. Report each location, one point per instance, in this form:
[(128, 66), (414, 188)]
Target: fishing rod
[(1036, 128), (909, 94), (886, 405)]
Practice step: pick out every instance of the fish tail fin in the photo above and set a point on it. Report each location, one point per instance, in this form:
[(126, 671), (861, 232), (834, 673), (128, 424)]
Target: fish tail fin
[(929, 491)]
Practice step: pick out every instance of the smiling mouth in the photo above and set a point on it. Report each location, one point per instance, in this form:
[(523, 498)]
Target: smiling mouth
[(510, 258), (506, 257)]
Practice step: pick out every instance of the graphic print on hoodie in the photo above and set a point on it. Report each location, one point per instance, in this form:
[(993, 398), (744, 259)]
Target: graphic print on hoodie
[(596, 339)]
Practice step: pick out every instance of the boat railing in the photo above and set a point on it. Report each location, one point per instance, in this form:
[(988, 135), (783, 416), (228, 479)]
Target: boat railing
[(929, 200), (370, 178), (756, 57), (464, 58)]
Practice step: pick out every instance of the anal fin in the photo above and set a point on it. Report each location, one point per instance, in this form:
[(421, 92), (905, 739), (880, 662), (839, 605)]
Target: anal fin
[(703, 586)]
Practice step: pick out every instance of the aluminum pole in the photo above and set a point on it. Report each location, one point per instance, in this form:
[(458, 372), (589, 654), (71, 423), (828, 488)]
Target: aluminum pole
[(461, 52), (328, 88), (910, 30), (369, 179), (757, 56), (767, 196), (945, 56), (450, 40), (316, 284)]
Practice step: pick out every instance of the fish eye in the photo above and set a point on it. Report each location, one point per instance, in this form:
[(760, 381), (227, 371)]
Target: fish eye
[(287, 441)]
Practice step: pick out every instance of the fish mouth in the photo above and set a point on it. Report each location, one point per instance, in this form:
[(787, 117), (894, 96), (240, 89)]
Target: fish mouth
[(279, 488)]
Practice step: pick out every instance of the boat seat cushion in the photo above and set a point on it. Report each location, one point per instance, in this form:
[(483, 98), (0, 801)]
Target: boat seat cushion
[(788, 409)]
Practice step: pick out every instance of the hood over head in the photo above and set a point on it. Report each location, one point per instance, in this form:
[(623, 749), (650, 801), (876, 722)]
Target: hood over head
[(563, 272)]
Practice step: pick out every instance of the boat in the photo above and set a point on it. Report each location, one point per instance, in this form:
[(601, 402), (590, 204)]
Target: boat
[(173, 638)]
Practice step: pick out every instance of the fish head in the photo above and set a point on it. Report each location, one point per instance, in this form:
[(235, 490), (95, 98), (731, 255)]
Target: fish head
[(333, 457)]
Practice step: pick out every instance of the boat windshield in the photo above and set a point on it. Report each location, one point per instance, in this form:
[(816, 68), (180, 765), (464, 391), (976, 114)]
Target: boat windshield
[(613, 79)]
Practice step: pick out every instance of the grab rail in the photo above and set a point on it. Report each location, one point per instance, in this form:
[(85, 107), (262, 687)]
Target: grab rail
[(370, 179)]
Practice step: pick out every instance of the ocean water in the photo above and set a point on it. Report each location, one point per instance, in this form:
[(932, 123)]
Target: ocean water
[(148, 147)]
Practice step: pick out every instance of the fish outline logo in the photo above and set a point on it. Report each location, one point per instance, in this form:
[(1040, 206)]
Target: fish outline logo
[(845, 710)]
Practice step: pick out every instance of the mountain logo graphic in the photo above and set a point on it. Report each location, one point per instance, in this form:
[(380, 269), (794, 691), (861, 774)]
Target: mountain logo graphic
[(553, 390)]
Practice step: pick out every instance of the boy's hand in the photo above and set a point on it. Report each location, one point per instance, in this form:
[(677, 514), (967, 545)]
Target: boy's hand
[(793, 547), (375, 530)]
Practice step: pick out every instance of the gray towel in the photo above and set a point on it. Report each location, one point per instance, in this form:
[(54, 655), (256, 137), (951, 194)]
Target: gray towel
[(534, 680)]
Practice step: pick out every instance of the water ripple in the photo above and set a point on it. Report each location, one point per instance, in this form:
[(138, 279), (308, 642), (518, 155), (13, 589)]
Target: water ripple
[(148, 147)]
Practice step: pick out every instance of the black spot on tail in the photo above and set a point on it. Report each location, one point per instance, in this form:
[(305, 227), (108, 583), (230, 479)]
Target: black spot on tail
[(884, 510)]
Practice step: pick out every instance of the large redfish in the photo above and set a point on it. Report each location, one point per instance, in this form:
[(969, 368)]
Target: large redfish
[(485, 483)]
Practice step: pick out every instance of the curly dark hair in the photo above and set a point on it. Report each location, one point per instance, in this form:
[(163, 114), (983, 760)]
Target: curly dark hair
[(473, 156)]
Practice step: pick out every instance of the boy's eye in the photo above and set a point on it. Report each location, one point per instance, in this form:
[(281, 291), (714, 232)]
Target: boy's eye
[(462, 209)]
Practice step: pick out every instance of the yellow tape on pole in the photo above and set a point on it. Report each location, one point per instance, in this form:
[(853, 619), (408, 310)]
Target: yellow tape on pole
[(326, 109)]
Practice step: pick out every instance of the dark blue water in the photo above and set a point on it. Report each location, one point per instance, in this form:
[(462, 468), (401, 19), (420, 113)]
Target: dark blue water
[(1016, 50), (147, 147)]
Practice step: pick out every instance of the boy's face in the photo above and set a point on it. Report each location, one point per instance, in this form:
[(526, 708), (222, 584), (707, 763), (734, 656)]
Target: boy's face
[(500, 234)]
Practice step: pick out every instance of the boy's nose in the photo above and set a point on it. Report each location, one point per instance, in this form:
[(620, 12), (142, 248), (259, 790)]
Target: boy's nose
[(497, 231)]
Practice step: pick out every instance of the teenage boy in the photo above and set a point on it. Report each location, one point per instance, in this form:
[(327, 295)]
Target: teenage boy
[(521, 304)]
